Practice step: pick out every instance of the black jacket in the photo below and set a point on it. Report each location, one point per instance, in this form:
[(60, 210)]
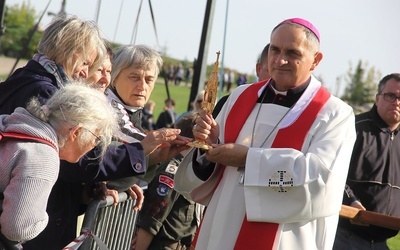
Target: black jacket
[(374, 173), (165, 119), (64, 202)]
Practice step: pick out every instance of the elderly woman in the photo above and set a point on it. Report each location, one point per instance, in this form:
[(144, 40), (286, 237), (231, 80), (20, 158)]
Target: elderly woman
[(135, 71), (73, 121), (101, 77)]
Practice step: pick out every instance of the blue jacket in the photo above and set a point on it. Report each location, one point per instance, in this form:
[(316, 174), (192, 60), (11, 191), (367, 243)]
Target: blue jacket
[(64, 203), (23, 84)]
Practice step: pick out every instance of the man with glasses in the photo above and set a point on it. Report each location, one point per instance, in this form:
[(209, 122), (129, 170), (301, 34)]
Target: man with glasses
[(373, 180)]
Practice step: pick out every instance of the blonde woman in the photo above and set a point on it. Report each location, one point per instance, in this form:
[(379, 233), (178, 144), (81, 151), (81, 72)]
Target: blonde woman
[(70, 48)]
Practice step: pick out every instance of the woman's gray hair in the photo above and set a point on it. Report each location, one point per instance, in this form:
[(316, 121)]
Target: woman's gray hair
[(77, 104), (66, 36), (140, 56)]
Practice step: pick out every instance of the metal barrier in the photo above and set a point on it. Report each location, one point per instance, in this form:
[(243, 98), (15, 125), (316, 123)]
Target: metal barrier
[(114, 225)]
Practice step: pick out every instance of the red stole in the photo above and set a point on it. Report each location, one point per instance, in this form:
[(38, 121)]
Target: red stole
[(261, 235)]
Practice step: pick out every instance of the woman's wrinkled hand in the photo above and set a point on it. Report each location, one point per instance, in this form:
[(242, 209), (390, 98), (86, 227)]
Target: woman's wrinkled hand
[(162, 138)]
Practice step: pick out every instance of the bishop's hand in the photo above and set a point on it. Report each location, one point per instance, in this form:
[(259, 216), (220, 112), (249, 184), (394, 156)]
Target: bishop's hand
[(206, 128)]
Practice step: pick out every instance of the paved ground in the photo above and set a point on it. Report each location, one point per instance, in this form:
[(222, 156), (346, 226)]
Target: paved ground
[(6, 64)]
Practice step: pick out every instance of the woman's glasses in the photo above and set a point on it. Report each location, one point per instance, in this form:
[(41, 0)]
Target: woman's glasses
[(97, 141)]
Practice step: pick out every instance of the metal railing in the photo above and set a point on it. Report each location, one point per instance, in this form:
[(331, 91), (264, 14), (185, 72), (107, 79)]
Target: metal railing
[(114, 225)]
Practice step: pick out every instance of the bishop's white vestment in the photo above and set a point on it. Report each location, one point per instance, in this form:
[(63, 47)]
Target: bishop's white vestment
[(298, 191)]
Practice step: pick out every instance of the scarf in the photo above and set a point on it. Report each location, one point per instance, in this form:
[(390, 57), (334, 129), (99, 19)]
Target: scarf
[(129, 118), (53, 68)]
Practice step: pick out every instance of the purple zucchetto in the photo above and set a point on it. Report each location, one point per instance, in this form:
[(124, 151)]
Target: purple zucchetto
[(303, 23)]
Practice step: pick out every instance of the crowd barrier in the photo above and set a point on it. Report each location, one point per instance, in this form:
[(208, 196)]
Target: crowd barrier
[(113, 225)]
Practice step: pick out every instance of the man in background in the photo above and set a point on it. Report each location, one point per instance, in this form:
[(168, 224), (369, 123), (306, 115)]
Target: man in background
[(373, 180)]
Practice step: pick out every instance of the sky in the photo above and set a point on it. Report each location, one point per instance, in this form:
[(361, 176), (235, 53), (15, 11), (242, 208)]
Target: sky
[(351, 30)]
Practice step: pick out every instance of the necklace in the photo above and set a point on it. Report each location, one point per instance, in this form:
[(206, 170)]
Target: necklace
[(255, 121), (241, 169)]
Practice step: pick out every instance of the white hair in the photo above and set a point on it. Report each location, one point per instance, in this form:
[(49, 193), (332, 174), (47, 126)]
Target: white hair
[(77, 104)]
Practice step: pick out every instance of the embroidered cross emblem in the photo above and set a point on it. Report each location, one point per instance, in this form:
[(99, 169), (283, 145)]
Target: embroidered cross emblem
[(281, 181)]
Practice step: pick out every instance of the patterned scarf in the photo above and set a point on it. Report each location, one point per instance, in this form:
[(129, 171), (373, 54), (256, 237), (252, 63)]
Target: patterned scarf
[(53, 68), (129, 118)]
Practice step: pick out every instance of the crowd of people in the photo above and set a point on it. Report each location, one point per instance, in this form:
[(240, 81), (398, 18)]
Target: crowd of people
[(77, 123), (182, 75), (175, 74)]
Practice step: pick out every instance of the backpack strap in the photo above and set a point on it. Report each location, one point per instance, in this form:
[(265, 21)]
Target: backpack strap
[(26, 137)]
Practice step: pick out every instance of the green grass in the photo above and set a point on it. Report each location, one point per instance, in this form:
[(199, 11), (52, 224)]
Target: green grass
[(180, 94), (394, 243)]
